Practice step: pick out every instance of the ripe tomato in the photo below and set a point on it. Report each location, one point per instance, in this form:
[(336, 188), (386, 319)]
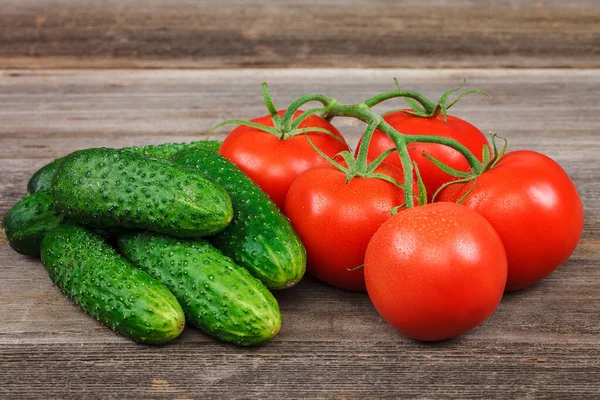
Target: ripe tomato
[(454, 128), (274, 163), (335, 219), (436, 271), (535, 208)]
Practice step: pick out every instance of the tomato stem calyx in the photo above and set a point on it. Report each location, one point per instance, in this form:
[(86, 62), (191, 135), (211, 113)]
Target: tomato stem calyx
[(353, 167), (442, 105), (466, 177), (285, 126)]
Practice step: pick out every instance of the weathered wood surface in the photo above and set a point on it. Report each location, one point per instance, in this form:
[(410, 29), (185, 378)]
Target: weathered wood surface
[(315, 33), (543, 342)]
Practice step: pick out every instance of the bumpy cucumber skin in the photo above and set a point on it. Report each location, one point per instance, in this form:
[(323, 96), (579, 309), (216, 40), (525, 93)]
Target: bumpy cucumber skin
[(218, 296), (259, 238), (108, 188), (168, 150), (42, 179), (26, 224), (103, 284)]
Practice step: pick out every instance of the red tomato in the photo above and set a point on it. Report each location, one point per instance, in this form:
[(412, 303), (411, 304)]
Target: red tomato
[(335, 220), (454, 128), (436, 271), (535, 208), (274, 163)]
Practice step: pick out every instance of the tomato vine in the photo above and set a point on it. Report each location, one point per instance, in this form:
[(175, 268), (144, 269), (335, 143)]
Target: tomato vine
[(288, 125), (363, 111)]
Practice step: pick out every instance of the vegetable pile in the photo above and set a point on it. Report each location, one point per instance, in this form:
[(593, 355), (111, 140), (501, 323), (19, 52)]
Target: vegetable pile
[(426, 217)]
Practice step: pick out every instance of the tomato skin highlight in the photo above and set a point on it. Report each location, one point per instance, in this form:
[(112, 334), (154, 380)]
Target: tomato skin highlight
[(454, 128), (335, 220), (273, 163), (436, 271), (535, 208)]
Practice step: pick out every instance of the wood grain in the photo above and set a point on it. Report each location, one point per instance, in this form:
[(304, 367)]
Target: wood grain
[(289, 33), (543, 342)]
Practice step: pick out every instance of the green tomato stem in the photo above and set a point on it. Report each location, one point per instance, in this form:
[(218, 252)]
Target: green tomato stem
[(475, 165), (361, 159), (427, 104), (287, 119), (407, 167)]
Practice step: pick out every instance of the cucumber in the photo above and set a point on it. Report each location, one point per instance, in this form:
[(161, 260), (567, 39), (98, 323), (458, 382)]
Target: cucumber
[(108, 188), (26, 224), (218, 296), (259, 238), (103, 284), (42, 178)]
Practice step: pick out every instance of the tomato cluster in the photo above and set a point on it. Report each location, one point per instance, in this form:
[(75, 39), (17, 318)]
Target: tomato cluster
[(436, 270)]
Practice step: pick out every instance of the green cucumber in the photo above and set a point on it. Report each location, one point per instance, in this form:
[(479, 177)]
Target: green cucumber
[(218, 296), (103, 284), (108, 188), (42, 178), (259, 238), (26, 224)]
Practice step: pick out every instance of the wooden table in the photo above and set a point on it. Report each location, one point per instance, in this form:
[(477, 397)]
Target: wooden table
[(542, 342)]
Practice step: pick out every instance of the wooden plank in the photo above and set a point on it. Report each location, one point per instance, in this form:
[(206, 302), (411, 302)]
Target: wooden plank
[(543, 342), (315, 33), (300, 370)]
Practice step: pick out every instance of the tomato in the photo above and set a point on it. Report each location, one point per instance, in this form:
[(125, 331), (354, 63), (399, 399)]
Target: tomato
[(454, 128), (335, 219), (436, 271), (274, 163), (535, 208)]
